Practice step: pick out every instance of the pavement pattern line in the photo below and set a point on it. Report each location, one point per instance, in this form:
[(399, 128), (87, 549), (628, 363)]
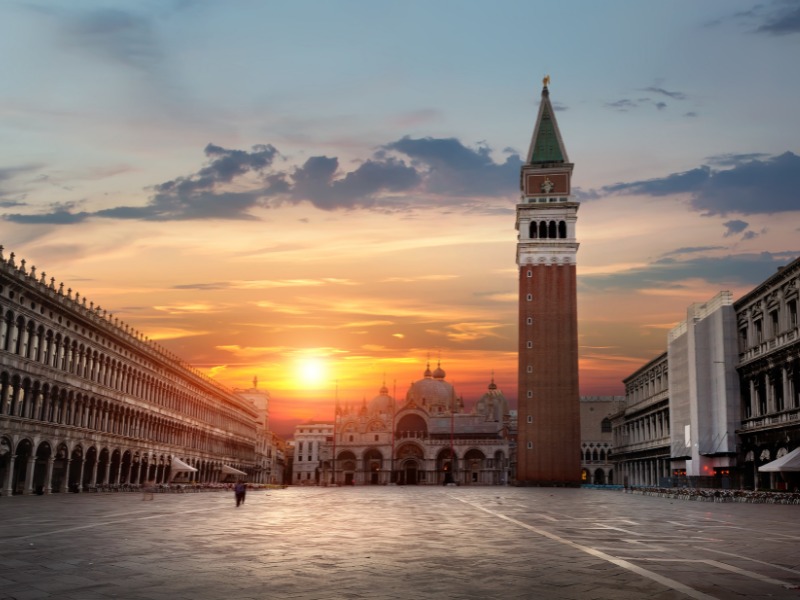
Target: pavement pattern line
[(105, 523), (755, 560), (724, 567), (666, 581)]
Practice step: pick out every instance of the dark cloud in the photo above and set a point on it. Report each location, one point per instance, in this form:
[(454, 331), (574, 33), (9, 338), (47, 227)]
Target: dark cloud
[(783, 22), (669, 273), (623, 105), (692, 250), (114, 33), (58, 217), (220, 285), (667, 93), (732, 160), (781, 17), (317, 182), (675, 183), (452, 169), (750, 187), (628, 104), (690, 114), (234, 182), (734, 227)]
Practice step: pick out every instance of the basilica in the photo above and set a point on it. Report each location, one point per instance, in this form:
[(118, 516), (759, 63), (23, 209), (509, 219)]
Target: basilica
[(427, 439)]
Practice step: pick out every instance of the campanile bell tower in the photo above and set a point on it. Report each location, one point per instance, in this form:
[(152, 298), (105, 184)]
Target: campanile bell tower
[(548, 442)]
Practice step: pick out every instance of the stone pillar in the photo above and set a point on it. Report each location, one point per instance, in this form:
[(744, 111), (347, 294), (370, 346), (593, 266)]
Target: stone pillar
[(107, 475), (93, 482), (8, 487), (786, 392), (48, 478), (23, 346), (65, 482), (27, 487), (80, 475)]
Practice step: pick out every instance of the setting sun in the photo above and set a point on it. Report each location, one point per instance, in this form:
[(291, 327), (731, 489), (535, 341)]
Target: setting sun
[(312, 372)]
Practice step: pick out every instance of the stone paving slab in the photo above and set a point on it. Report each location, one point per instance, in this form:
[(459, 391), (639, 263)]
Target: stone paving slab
[(390, 543)]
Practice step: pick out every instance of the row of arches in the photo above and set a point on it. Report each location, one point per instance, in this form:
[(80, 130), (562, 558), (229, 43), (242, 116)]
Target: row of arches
[(44, 467), (594, 455), (597, 476), (547, 230), (40, 401), (27, 338), (410, 466)]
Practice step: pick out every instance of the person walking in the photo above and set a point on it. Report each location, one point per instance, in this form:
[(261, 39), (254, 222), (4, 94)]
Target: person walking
[(240, 490)]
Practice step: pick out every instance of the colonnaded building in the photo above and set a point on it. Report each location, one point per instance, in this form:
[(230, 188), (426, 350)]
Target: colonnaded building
[(87, 401), (427, 439), (721, 407)]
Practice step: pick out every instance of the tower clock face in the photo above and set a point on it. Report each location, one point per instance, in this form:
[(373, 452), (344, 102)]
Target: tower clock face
[(550, 183)]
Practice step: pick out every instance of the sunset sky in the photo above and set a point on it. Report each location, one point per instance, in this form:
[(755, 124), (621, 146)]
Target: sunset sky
[(323, 192)]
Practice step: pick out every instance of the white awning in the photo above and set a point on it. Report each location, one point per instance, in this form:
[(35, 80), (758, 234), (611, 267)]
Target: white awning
[(787, 462), (178, 466), (231, 471)]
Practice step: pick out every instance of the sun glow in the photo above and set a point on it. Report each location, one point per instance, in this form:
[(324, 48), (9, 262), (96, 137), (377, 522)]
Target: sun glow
[(312, 372)]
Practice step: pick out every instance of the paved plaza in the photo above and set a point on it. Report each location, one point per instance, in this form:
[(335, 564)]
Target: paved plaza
[(395, 542)]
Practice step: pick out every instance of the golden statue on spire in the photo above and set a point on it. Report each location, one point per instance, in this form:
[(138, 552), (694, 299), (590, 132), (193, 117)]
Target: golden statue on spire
[(546, 80)]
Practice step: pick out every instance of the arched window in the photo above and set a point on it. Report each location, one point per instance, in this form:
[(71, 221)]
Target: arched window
[(543, 229), (551, 230), (533, 230), (605, 425), (562, 229)]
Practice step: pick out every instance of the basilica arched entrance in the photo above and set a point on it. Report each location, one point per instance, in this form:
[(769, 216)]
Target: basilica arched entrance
[(446, 466), (373, 461), (346, 466), (410, 466), (409, 472)]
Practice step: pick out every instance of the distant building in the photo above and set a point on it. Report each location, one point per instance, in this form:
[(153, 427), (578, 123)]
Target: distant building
[(724, 400), (597, 441), (641, 428), (87, 401), (269, 461), (769, 377), (309, 452), (428, 439)]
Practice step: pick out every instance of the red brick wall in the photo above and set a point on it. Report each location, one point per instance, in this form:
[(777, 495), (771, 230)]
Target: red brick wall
[(555, 401)]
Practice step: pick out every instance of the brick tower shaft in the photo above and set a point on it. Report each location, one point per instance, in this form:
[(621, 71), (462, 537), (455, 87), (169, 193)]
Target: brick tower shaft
[(548, 441)]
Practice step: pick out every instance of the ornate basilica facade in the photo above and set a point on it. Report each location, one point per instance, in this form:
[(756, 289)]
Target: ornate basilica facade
[(87, 401), (429, 439)]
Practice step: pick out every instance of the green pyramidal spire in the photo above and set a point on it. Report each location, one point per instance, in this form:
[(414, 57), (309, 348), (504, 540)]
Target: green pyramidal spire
[(546, 144)]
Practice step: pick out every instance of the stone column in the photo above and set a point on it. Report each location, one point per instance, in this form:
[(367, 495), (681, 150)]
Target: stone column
[(80, 474), (27, 487), (48, 478), (93, 482), (785, 388), (8, 488), (65, 482)]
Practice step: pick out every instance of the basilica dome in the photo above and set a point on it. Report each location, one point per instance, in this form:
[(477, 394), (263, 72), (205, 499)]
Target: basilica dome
[(433, 393), (493, 404), (383, 403)]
